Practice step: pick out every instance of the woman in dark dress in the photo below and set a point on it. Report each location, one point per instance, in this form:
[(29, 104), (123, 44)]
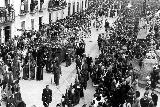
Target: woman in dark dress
[(40, 65), (32, 67)]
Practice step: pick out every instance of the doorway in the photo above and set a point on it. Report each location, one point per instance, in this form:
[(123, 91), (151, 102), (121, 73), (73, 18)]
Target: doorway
[(40, 22), (50, 18), (7, 31), (69, 9), (7, 2)]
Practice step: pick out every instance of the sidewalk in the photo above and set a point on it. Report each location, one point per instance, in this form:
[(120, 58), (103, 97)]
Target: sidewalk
[(31, 90), (68, 77)]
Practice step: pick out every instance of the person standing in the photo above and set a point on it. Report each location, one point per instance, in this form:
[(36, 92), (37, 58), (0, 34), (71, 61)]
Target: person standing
[(99, 41), (47, 61), (78, 63), (57, 74), (16, 67), (40, 65), (68, 59), (146, 101), (154, 78), (154, 98), (47, 96)]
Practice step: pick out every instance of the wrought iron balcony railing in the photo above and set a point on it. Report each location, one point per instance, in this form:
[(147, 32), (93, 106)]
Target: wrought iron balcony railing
[(56, 5), (7, 15)]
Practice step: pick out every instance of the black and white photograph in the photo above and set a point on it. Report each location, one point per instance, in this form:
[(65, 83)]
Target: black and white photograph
[(79, 53)]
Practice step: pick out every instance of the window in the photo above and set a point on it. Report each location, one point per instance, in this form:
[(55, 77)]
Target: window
[(73, 7), (41, 3), (23, 25), (24, 6), (69, 8), (40, 22), (33, 5), (7, 2), (32, 24), (86, 4), (82, 5), (7, 32), (77, 6)]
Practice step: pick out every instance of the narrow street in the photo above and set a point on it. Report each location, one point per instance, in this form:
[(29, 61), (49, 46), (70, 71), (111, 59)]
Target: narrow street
[(32, 90), (42, 36)]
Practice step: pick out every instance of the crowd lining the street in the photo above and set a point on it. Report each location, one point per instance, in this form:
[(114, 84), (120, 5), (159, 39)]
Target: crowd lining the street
[(112, 72)]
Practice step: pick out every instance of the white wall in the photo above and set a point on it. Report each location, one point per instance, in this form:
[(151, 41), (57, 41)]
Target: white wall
[(45, 14)]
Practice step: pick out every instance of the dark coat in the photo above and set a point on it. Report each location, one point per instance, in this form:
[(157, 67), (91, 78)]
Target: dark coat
[(78, 62), (47, 95), (144, 102), (154, 98)]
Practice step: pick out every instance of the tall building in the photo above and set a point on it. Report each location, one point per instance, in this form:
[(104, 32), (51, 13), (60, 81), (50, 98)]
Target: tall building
[(7, 18), (19, 15)]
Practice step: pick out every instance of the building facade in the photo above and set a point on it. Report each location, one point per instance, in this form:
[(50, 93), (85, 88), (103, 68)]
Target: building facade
[(7, 18), (19, 15)]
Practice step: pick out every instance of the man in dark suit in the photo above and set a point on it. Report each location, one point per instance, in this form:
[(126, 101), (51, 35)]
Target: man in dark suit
[(154, 98), (40, 64), (47, 96), (106, 25)]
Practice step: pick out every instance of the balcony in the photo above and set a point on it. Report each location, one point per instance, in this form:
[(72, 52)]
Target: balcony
[(56, 5), (33, 7), (7, 15), (23, 9)]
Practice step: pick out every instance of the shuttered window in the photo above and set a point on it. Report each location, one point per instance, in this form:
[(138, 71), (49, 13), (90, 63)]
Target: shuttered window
[(73, 7), (69, 8), (77, 6), (26, 5)]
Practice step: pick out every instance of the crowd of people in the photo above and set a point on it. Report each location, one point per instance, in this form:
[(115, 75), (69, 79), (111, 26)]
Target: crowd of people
[(112, 72), (25, 56)]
